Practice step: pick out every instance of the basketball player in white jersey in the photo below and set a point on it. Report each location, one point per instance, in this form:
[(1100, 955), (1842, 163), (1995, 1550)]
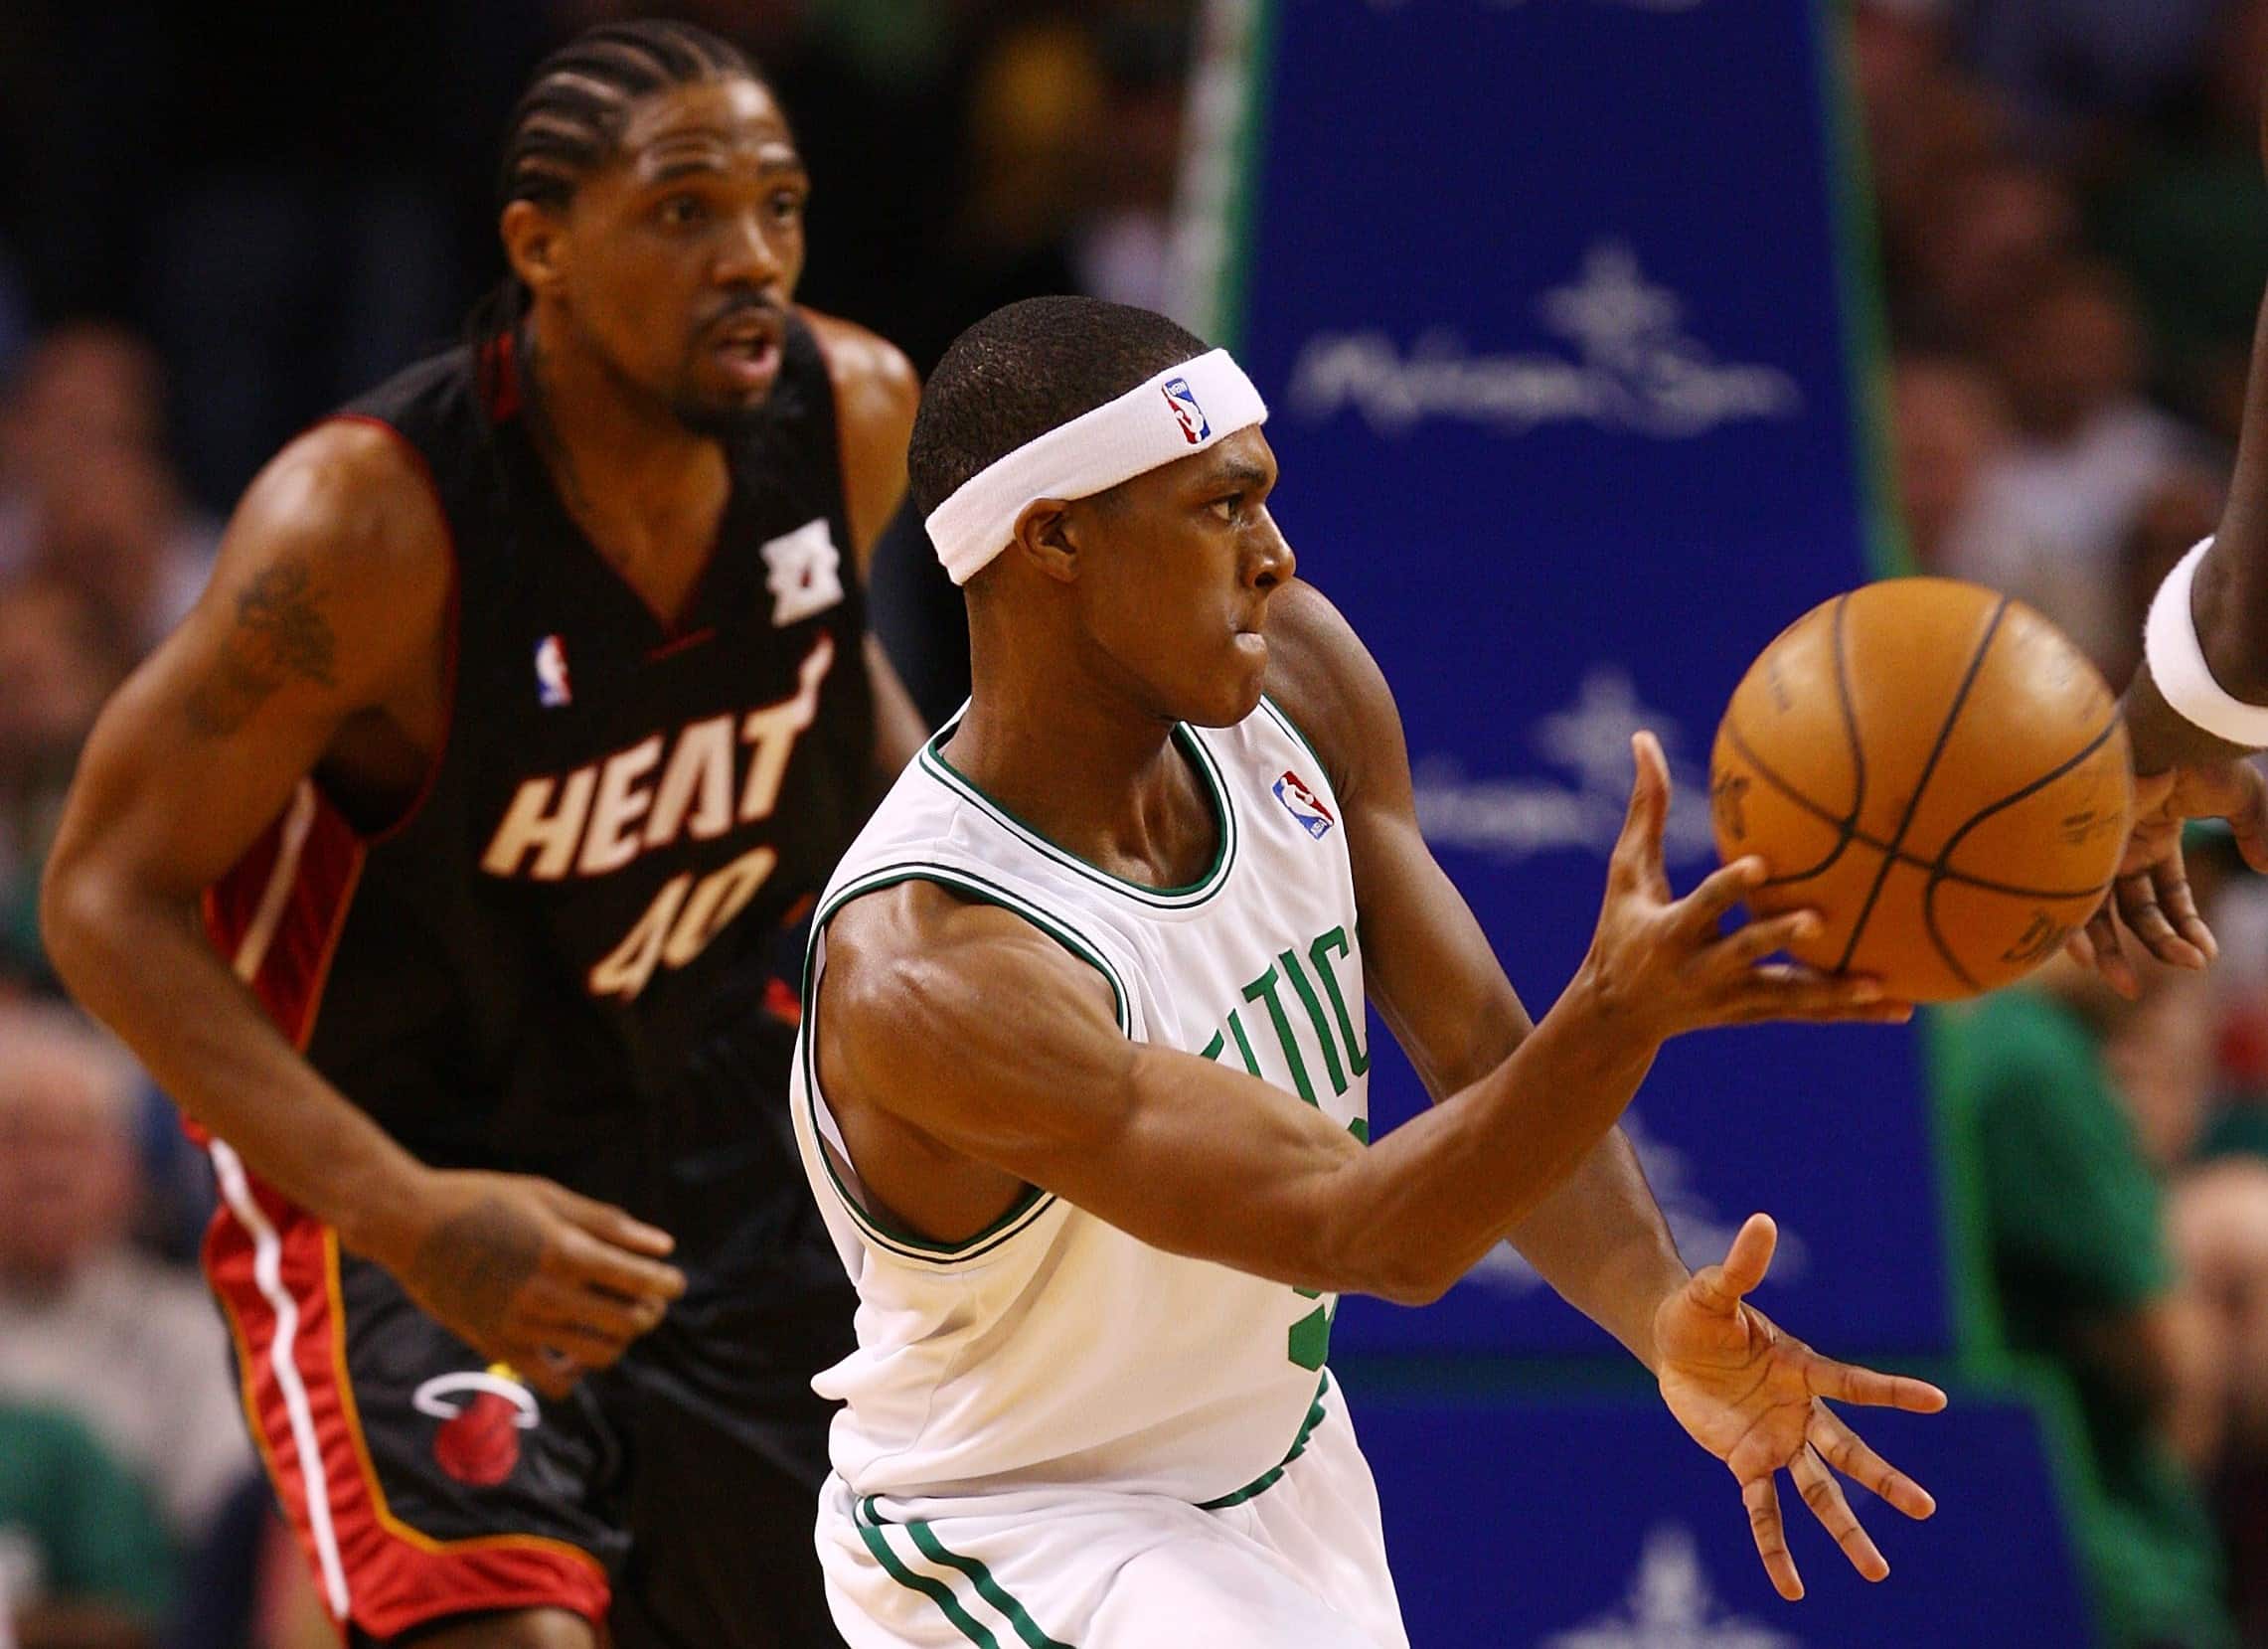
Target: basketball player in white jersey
[(1082, 1081)]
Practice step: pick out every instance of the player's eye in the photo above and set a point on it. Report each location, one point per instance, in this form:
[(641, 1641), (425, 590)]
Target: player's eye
[(680, 211), (1231, 510), (787, 206)]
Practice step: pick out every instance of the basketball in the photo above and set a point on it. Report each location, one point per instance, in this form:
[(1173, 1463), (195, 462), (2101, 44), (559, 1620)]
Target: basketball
[(1938, 772)]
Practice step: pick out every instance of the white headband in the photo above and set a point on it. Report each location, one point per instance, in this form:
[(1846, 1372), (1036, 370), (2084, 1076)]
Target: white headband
[(2178, 669), (1183, 410)]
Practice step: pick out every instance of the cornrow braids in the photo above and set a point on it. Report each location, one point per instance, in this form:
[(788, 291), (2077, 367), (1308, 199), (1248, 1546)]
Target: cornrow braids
[(568, 122)]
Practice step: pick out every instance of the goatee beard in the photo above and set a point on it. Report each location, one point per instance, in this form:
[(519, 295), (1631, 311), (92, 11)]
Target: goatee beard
[(718, 423)]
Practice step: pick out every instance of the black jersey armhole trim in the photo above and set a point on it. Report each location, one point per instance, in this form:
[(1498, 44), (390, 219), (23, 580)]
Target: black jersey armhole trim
[(453, 623)]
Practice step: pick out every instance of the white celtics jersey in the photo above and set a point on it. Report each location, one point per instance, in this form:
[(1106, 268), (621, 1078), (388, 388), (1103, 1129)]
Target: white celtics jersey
[(1054, 1349)]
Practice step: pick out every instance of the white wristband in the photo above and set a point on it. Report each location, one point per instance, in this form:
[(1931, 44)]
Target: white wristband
[(2178, 669)]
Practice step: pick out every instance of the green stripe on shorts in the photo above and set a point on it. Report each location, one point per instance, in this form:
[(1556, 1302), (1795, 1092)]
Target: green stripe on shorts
[(988, 1589), (969, 1628)]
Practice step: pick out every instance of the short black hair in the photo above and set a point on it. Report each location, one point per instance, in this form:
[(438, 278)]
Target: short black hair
[(1026, 369)]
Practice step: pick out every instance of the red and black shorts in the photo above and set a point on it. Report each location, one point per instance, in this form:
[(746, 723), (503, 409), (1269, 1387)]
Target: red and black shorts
[(672, 1497)]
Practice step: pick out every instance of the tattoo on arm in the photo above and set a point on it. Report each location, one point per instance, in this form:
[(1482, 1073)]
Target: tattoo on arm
[(279, 634)]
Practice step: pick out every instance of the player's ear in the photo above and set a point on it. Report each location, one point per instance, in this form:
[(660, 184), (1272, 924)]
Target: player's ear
[(1043, 532), (533, 243)]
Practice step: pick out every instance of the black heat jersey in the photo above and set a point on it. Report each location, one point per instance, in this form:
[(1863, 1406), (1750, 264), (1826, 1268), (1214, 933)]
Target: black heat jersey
[(556, 960)]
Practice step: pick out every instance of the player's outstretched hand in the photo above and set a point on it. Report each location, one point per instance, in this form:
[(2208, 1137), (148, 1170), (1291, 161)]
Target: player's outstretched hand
[(2150, 896), (1663, 964), (528, 1272), (1755, 1397)]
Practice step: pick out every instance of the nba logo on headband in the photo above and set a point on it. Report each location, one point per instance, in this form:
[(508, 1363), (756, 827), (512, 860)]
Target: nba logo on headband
[(1096, 450), (1182, 400)]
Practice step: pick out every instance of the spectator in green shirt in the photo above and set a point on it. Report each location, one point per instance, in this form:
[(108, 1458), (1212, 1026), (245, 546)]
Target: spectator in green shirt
[(2071, 1215), (83, 1559)]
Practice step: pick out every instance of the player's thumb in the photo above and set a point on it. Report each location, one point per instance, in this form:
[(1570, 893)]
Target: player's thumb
[(1750, 1255), (1638, 852)]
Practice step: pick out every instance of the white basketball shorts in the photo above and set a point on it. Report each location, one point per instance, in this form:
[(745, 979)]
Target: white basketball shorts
[(1300, 1563)]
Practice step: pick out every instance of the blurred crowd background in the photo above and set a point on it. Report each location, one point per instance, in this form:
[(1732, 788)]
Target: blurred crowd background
[(217, 222)]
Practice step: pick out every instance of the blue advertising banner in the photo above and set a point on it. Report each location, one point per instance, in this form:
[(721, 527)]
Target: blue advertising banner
[(1548, 301), (1594, 1523)]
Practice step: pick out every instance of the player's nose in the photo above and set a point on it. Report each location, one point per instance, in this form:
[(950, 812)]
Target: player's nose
[(746, 256), (1271, 562)]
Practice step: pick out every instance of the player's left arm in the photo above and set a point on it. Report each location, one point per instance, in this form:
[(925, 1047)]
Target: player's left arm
[(876, 394), (1746, 1390), (1599, 1240)]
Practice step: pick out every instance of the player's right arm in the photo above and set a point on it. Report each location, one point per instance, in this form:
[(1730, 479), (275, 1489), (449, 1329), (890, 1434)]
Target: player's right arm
[(324, 617), (2182, 770), (953, 1034)]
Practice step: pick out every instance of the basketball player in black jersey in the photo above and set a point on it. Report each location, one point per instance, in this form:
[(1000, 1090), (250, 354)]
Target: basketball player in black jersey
[(435, 866)]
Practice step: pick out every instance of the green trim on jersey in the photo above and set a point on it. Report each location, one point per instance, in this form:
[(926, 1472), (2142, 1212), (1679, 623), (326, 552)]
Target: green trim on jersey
[(884, 1232), (1215, 877), (1282, 719), (1267, 1480)]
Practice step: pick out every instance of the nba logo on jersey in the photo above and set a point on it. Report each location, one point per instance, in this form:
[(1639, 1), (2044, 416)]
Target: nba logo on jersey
[(1303, 804), (552, 689), (1182, 400)]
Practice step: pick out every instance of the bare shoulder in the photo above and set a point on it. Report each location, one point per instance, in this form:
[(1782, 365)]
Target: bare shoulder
[(876, 394), (919, 941), (918, 979), (352, 501), (876, 386), (333, 580), (1322, 676)]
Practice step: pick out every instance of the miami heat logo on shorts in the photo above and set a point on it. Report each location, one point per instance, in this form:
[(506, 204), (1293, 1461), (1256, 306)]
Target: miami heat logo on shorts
[(482, 1416), (1303, 804)]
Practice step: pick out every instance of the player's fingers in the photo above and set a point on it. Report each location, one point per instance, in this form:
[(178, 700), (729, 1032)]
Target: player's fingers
[(1637, 858), (1778, 991), (564, 1334), (605, 1312), (1850, 1454), (1848, 1383), (2180, 903), (2110, 951), (606, 1220), (1702, 910), (1751, 943), (587, 1260), (1823, 1495), (2146, 917), (549, 1373), (2249, 818), (1750, 1255), (1717, 1289), (1762, 1498), (2079, 946)]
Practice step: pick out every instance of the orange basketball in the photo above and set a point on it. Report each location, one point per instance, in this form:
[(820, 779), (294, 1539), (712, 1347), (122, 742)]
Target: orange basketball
[(1938, 772)]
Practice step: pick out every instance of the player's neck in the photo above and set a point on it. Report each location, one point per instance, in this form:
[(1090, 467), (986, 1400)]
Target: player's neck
[(616, 458), (1096, 775)]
